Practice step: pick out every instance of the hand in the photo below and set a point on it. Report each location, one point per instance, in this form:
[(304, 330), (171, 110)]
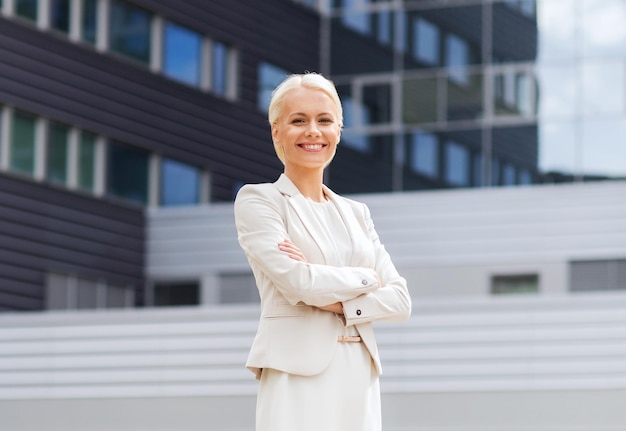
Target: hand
[(337, 307), (292, 251)]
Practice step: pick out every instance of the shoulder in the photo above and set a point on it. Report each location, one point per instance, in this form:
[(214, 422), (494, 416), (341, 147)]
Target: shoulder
[(251, 195), (261, 189)]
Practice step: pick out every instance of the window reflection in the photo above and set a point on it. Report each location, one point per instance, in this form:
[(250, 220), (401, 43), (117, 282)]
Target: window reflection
[(130, 31), (60, 15), (219, 69), (425, 154), (58, 135), (89, 21), (182, 52), (457, 164), (376, 104), (426, 42), (87, 161), (26, 9), (457, 59), (465, 102), (22, 144), (127, 173), (420, 100), (180, 183), (269, 76)]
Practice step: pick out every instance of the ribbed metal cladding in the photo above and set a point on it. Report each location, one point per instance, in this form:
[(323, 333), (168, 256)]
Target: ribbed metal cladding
[(45, 229)]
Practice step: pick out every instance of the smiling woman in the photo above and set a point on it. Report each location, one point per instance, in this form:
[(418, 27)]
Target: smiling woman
[(323, 276)]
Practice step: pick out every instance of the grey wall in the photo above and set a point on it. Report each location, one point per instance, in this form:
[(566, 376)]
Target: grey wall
[(43, 229)]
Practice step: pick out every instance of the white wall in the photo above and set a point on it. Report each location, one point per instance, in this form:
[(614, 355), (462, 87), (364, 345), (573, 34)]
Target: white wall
[(474, 364), (446, 243)]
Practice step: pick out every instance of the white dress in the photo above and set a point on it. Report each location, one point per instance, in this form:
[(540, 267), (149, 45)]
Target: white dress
[(346, 395)]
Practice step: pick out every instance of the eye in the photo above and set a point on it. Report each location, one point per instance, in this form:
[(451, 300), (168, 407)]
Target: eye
[(297, 121), (326, 120)]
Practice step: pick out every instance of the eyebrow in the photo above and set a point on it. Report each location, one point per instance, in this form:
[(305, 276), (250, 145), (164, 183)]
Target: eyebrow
[(302, 113)]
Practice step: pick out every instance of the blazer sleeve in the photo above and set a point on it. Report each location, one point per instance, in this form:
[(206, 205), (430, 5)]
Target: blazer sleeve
[(260, 227), (392, 301)]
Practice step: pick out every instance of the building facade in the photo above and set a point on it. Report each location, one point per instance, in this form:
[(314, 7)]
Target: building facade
[(109, 107)]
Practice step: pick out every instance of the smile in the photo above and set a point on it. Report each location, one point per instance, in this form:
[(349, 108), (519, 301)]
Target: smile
[(312, 147)]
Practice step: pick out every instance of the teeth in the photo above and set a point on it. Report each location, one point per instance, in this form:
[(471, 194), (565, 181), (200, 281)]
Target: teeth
[(312, 146)]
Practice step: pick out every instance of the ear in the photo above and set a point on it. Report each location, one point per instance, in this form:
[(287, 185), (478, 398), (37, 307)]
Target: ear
[(274, 132)]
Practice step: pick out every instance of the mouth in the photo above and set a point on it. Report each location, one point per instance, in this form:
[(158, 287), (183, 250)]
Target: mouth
[(312, 147)]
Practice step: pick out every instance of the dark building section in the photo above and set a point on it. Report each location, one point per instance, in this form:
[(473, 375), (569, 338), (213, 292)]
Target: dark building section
[(63, 249), (49, 232), (125, 102)]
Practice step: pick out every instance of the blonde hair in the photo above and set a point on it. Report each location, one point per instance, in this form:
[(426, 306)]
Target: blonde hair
[(310, 80)]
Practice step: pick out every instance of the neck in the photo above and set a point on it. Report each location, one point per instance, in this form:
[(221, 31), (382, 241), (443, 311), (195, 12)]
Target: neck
[(308, 181)]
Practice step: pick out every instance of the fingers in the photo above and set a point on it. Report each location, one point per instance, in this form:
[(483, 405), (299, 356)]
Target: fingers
[(292, 250)]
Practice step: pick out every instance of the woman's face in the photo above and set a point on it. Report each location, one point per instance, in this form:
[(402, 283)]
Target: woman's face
[(308, 129)]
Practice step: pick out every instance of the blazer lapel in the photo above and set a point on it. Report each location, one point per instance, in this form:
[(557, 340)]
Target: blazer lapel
[(361, 245), (298, 203)]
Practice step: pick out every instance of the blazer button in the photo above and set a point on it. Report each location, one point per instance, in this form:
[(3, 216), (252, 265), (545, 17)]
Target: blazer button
[(364, 282), (358, 312)]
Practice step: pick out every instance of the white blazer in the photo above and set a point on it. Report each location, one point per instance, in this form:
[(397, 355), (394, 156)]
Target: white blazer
[(293, 335)]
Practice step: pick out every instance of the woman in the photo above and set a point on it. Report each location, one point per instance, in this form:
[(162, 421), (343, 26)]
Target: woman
[(322, 274)]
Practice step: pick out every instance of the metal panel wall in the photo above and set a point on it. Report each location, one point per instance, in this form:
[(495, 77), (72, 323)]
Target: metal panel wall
[(114, 97), (46, 229)]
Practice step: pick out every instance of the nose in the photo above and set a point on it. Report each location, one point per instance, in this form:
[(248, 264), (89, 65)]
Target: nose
[(312, 130)]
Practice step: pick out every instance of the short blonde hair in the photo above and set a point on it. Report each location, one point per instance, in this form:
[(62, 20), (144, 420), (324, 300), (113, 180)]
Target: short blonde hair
[(309, 80)]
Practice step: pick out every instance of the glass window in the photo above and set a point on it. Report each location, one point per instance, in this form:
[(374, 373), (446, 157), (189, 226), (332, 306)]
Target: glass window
[(598, 98), (508, 175), (384, 27), (525, 177), (356, 20), (26, 9), (425, 154), (60, 15), (356, 141), (465, 102), (514, 284), (117, 297), (219, 69), (601, 25), (57, 292), (22, 145), (457, 59), (56, 165), (87, 292), (457, 164), (478, 170), (180, 183), (376, 107), (495, 172), (269, 77), (130, 31), (559, 91), (182, 54), (558, 153), (426, 41), (601, 148), (596, 275), (420, 100), (176, 294), (89, 21), (127, 173), (87, 161)]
